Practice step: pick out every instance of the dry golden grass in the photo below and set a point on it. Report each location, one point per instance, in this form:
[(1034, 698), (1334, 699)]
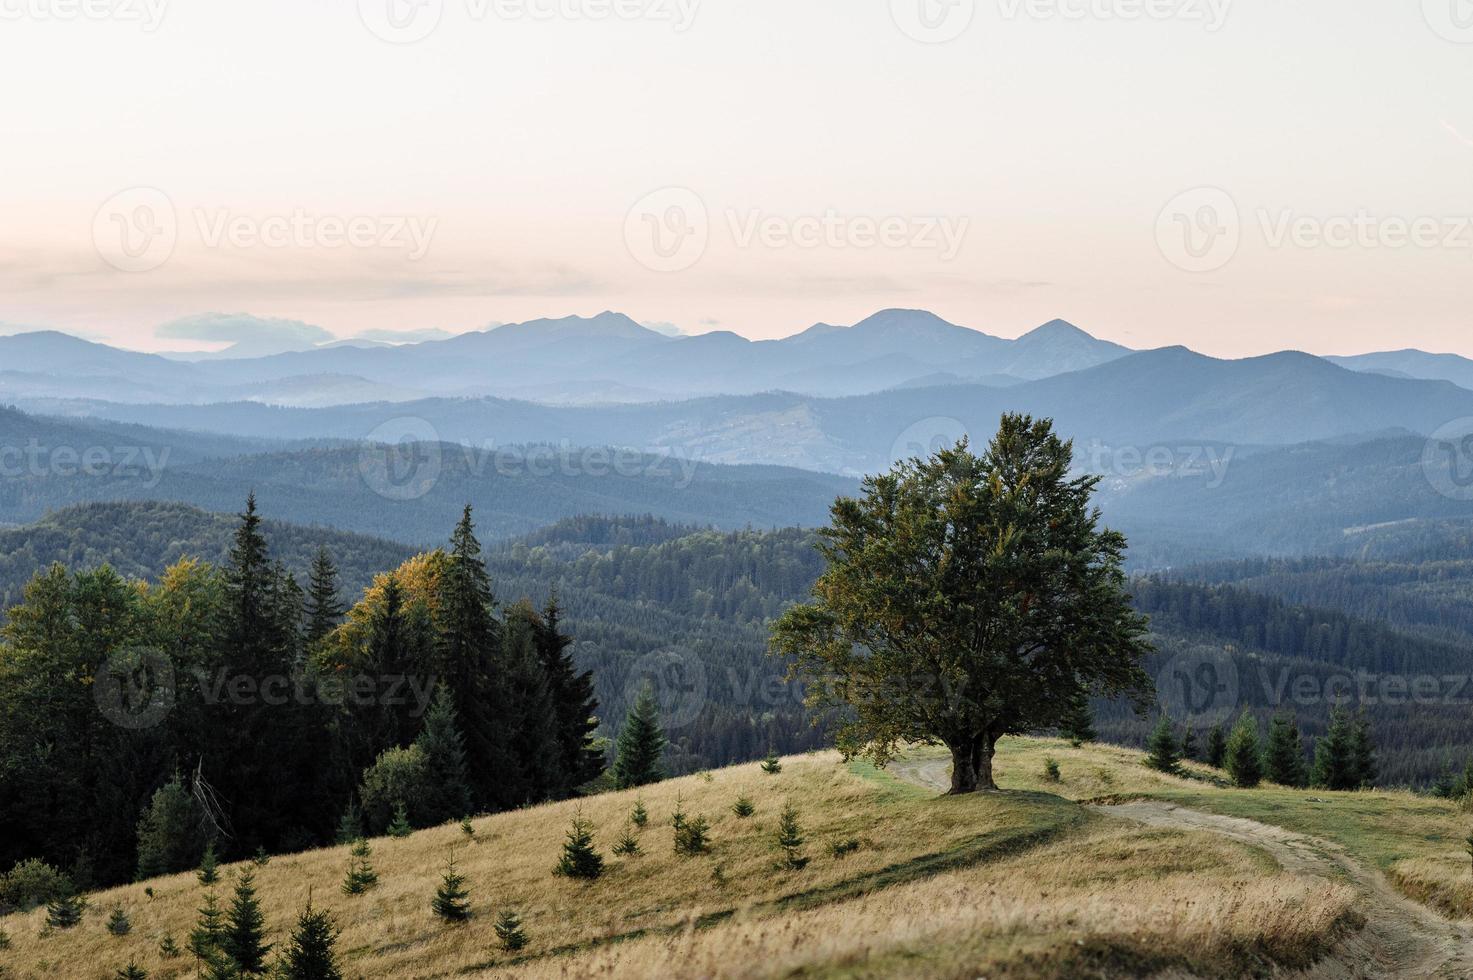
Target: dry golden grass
[(940, 886), (390, 930), (1442, 881), (1419, 842), (1113, 893)]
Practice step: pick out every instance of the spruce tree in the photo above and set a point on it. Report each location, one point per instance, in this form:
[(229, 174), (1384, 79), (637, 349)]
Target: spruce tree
[(639, 816), (118, 923), (1216, 747), (1189, 747), (311, 954), (209, 866), (452, 898), (509, 931), (579, 858), (469, 653), (169, 837), (350, 825), (1243, 758), (244, 941), (1334, 754), (1078, 726), (168, 949), (790, 839), (743, 807), (361, 876), (448, 792), (627, 845), (324, 607), (1164, 753), (65, 911), (1283, 757), (536, 749), (132, 972), (400, 826), (208, 934), (398, 645), (641, 744), (1362, 753), (576, 707), (692, 836), (772, 765)]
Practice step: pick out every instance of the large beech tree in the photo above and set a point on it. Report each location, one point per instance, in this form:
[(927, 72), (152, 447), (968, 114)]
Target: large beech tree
[(966, 597)]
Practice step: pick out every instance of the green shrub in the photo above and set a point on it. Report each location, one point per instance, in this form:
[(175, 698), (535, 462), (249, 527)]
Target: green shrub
[(31, 884)]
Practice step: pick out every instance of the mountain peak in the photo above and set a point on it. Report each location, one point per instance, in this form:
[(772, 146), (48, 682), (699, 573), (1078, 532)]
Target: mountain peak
[(901, 319), (1056, 328)]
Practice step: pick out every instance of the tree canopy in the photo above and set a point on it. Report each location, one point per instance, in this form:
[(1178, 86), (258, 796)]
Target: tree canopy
[(966, 597)]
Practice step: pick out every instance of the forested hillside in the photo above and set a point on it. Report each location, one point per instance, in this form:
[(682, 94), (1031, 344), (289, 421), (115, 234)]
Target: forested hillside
[(403, 493), (647, 600), (233, 706), (140, 540)]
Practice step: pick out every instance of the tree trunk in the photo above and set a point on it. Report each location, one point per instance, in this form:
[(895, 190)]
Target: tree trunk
[(963, 770), (983, 750)]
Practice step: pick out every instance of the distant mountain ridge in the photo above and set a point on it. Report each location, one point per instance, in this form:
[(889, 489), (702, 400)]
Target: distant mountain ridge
[(604, 357), (1168, 397)]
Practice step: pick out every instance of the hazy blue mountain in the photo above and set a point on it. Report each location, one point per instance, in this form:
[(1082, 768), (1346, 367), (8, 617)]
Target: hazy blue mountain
[(51, 352), (1413, 364), (608, 357), (51, 463), (1166, 397)]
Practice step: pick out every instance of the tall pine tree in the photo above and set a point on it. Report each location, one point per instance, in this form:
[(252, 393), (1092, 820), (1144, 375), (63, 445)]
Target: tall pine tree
[(311, 955), (1362, 753), (1243, 758), (1163, 748), (244, 939), (1334, 754), (1283, 757), (169, 836), (468, 657), (447, 794), (641, 745), (324, 606), (572, 693)]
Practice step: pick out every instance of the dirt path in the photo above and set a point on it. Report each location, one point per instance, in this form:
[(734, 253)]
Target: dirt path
[(1401, 938)]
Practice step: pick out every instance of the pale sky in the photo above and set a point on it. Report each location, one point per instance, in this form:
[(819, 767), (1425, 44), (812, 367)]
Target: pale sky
[(501, 167)]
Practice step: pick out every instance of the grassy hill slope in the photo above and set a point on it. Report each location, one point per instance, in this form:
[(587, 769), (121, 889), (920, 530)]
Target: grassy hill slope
[(1027, 883)]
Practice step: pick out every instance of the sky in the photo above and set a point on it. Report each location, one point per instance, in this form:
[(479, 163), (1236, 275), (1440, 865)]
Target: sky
[(1239, 177)]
